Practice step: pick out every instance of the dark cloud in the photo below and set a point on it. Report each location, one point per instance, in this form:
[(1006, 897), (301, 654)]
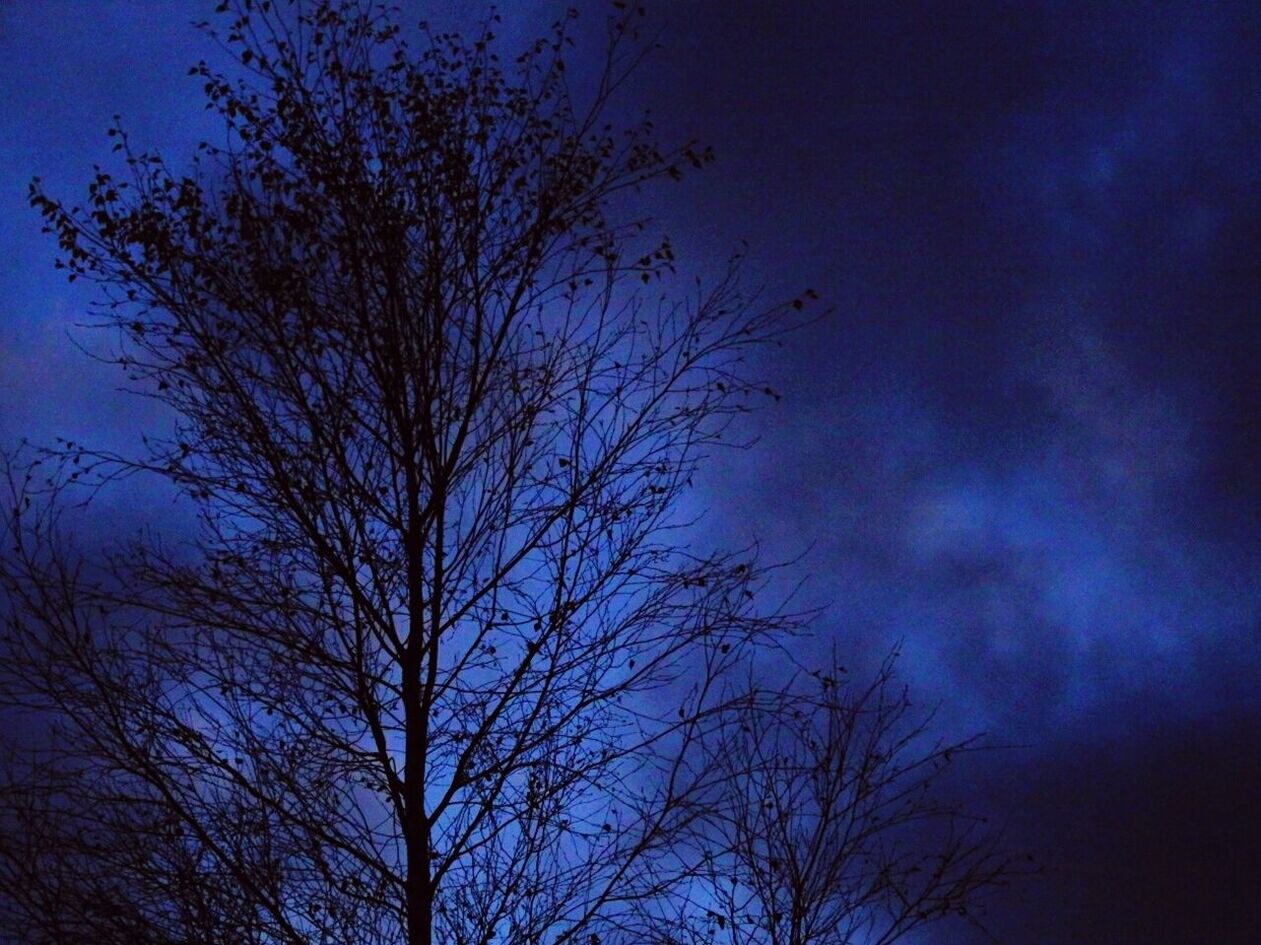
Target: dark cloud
[(1024, 440), (1144, 835)]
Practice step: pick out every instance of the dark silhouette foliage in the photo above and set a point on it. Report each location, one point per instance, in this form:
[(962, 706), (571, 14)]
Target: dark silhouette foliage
[(437, 664)]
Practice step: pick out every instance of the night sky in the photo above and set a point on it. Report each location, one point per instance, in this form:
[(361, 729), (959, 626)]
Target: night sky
[(1025, 442)]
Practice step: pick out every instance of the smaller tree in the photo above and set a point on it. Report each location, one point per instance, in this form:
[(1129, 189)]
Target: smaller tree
[(832, 831)]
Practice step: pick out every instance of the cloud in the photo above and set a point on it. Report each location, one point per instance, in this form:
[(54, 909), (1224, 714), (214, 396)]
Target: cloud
[(1148, 835)]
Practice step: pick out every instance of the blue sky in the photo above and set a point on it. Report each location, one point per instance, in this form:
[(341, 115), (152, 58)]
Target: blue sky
[(1025, 444)]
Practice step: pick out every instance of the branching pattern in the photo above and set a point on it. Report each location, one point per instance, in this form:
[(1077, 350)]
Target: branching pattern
[(437, 665)]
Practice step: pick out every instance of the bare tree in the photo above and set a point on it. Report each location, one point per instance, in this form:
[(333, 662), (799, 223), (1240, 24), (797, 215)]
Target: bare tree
[(832, 830), (437, 664)]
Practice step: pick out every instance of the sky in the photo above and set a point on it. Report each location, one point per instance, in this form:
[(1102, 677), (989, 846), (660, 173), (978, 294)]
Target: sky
[(1023, 445)]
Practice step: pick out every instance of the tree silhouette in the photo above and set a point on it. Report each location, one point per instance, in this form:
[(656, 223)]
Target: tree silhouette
[(436, 665)]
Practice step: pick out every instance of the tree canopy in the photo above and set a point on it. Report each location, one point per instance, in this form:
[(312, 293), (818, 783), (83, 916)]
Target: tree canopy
[(439, 663)]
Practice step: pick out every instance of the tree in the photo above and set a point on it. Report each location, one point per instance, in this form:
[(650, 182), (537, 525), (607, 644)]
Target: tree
[(831, 829), (435, 665)]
